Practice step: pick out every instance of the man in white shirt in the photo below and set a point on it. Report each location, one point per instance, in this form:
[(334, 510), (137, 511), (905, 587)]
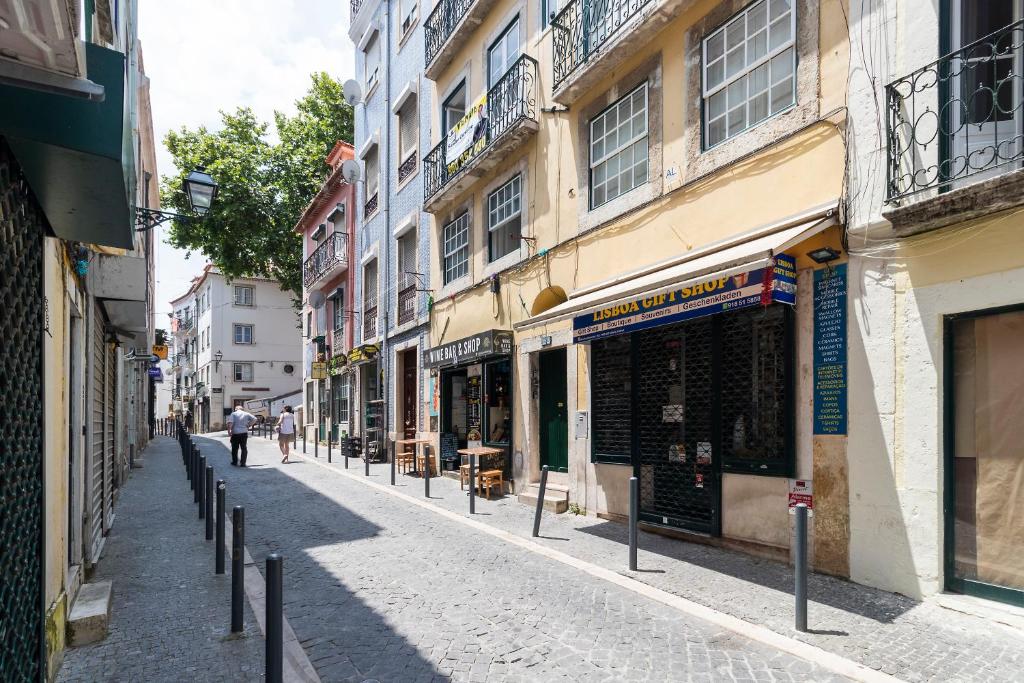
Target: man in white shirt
[(238, 427)]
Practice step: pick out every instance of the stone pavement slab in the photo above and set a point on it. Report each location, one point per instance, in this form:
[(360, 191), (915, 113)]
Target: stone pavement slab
[(378, 588), (171, 615)]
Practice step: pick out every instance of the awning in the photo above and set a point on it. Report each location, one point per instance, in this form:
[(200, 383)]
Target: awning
[(739, 254)]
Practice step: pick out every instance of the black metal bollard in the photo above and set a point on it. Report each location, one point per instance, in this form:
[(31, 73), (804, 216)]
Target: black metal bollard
[(800, 570), (328, 446), (634, 514), (196, 485), (208, 499), (540, 500), (201, 487), (347, 450), (316, 442), (366, 462), (303, 439), (472, 485), (218, 552), (274, 657), (426, 475), (295, 436), (237, 566), (193, 456), (391, 449)]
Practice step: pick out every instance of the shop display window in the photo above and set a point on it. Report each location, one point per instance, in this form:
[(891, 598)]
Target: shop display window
[(498, 403)]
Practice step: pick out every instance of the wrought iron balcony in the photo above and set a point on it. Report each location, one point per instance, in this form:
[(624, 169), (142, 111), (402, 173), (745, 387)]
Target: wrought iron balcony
[(407, 167), (184, 324), (329, 257), (583, 26), (354, 6), (407, 304), (370, 323), (338, 341), (446, 29), (958, 118), (510, 118), (371, 205)]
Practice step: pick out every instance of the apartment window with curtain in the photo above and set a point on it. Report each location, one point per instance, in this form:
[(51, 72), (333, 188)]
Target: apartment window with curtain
[(243, 334), (407, 277), (456, 248), (370, 300), (504, 219), (338, 306), (372, 65), (618, 148), (749, 69), (408, 137), (454, 107), (243, 372)]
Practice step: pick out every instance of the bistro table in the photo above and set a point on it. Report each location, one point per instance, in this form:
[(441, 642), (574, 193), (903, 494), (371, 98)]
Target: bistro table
[(415, 443), (480, 452)]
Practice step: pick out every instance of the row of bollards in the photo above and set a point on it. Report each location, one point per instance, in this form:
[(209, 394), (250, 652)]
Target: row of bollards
[(211, 501)]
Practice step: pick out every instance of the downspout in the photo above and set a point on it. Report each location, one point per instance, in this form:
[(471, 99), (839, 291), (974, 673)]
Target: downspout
[(386, 376)]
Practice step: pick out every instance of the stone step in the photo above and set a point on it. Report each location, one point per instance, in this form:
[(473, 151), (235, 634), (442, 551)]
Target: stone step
[(90, 615), (556, 498)]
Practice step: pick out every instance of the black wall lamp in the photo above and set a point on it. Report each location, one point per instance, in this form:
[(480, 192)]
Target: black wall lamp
[(200, 190), (823, 255)]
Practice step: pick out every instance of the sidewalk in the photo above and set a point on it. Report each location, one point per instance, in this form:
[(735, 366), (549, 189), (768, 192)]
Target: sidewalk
[(171, 615), (913, 641)]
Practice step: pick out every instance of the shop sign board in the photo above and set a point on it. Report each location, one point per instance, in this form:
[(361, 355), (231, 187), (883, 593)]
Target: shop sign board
[(468, 137), (160, 351), (775, 282), (156, 373), (478, 346), (363, 353), (319, 370), (801, 491), (336, 364), (830, 350)]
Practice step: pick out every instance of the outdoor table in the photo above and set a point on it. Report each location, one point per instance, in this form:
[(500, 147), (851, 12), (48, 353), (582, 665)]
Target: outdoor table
[(480, 452), (415, 443)]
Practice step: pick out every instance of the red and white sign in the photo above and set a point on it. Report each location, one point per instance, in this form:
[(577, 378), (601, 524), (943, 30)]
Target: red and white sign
[(801, 491)]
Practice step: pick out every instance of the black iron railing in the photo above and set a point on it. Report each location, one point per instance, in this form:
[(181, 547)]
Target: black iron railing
[(338, 341), (441, 24), (354, 6), (510, 101), (407, 167), (184, 324), (370, 207), (332, 253), (407, 304), (583, 26), (958, 117), (370, 323)]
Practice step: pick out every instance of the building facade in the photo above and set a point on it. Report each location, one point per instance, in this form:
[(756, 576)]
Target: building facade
[(77, 158), (392, 251), (234, 341), (328, 228), (937, 299)]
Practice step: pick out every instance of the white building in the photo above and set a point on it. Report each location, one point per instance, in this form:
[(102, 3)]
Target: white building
[(234, 341)]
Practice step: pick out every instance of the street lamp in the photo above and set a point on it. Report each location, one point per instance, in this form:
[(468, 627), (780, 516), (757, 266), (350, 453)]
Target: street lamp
[(200, 191), (218, 356)]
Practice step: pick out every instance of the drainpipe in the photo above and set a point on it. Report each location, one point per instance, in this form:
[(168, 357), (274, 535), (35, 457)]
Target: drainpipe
[(386, 377)]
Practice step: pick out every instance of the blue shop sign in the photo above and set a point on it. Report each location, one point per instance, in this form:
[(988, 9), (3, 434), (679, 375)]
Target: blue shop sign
[(775, 282), (830, 364)]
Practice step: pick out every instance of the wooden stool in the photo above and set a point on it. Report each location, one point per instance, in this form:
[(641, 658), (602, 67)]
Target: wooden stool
[(463, 476), (488, 480), (403, 461), (421, 464)]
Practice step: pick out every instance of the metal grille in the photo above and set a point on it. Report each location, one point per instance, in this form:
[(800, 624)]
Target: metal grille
[(611, 399), (678, 485), (440, 25), (583, 26), (22, 656), (99, 411)]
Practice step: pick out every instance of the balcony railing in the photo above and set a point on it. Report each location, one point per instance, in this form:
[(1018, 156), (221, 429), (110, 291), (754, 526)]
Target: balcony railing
[(510, 101), (354, 6), (407, 304), (184, 324), (332, 254), (370, 323), (583, 26), (338, 341), (371, 205), (407, 167), (959, 117), (440, 25)]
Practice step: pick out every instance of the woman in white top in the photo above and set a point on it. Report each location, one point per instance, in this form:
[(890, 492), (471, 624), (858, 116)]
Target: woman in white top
[(285, 431)]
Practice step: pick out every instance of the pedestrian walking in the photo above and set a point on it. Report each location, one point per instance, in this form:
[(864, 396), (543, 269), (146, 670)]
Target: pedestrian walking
[(188, 421), (238, 427), (285, 431)]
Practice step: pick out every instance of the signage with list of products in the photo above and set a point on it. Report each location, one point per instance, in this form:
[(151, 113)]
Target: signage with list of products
[(830, 350)]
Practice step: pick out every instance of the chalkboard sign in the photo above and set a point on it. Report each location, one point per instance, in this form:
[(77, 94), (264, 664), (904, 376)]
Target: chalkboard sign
[(449, 446), (830, 350)]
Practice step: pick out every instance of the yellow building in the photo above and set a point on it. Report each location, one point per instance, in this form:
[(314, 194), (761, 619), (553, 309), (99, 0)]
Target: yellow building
[(624, 200)]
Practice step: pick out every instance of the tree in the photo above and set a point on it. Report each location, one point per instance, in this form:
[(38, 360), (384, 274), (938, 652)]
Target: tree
[(263, 185)]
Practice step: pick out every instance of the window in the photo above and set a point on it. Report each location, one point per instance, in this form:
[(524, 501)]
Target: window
[(749, 69), (548, 9), (504, 219), (237, 403), (503, 53), (338, 306), (243, 296), (370, 300), (618, 148), (372, 162), (407, 14), (309, 402), (340, 390), (611, 402), (456, 248), (408, 129), (498, 397), (243, 372), (454, 107), (407, 277), (243, 334), (372, 65)]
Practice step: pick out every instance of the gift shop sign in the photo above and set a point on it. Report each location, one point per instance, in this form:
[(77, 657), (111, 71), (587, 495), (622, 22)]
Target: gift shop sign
[(490, 343), (718, 293)]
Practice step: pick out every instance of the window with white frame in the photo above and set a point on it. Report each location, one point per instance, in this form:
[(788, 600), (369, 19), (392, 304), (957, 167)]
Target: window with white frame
[(243, 334), (456, 248), (243, 372), (618, 148), (372, 162), (408, 129), (243, 296), (548, 9), (749, 69), (407, 260), (370, 285), (338, 307), (454, 107), (372, 64), (504, 219), (408, 11)]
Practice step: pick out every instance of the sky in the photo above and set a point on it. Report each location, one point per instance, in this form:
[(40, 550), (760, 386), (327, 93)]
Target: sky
[(202, 57)]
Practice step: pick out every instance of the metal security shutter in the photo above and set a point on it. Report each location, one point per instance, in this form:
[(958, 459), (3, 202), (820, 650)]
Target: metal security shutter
[(611, 399), (109, 457), (98, 427), (22, 656)]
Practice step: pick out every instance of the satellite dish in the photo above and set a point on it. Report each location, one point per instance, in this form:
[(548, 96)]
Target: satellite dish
[(316, 298), (351, 91), (350, 170)]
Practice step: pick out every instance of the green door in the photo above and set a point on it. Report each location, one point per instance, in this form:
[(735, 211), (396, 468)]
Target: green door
[(554, 428)]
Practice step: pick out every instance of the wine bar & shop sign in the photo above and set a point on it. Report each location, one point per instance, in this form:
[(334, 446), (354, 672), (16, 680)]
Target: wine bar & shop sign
[(469, 349)]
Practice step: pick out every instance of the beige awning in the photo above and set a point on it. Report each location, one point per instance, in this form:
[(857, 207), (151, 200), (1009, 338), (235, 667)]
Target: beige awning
[(735, 255)]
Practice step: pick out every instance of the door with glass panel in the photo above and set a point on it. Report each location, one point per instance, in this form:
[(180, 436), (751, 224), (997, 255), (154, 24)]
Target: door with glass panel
[(502, 94), (984, 478), (985, 92)]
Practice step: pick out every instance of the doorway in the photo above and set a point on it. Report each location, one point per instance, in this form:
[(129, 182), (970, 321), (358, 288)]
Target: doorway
[(554, 411), (409, 393)]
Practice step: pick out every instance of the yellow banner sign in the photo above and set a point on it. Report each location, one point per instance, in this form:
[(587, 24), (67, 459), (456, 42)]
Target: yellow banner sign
[(160, 351)]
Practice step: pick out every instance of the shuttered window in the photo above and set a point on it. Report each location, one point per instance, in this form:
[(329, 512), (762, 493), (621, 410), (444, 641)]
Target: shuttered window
[(611, 399), (372, 61), (372, 172), (408, 130)]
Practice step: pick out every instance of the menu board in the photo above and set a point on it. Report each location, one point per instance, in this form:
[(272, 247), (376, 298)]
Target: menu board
[(473, 408), (830, 350)]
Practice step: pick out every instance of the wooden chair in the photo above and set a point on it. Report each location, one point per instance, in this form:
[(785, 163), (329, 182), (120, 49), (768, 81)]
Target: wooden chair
[(488, 479), (403, 461), (422, 460), (463, 476)]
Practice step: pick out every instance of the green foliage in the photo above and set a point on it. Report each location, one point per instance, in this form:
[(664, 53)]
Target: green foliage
[(160, 337), (264, 185), (575, 509)]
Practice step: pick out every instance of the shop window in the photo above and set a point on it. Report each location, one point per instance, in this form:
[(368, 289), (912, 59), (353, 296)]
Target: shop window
[(456, 248), (618, 148), (749, 69), (504, 219), (498, 402), (611, 400), (340, 390)]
